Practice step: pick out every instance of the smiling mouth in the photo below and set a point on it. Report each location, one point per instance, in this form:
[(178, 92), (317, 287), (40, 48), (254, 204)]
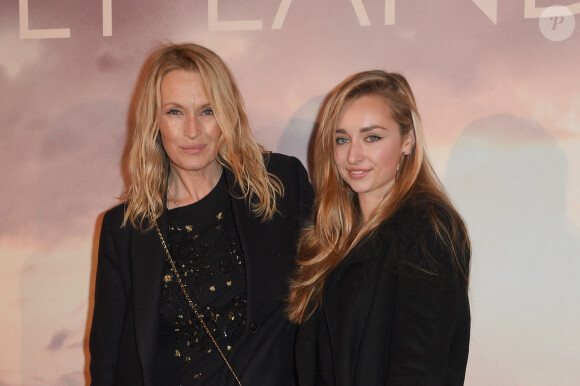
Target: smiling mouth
[(358, 173)]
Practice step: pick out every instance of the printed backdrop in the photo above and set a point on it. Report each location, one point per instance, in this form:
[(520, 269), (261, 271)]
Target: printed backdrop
[(496, 82)]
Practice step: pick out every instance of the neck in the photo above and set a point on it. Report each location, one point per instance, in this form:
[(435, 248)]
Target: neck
[(366, 209), (184, 188), (369, 201), (368, 204)]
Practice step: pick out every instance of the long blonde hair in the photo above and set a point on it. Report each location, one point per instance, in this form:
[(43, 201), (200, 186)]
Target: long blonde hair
[(336, 223), (238, 151)]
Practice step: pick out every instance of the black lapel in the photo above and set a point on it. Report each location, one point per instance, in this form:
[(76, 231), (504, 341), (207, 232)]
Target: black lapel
[(360, 252), (147, 262), (244, 222)]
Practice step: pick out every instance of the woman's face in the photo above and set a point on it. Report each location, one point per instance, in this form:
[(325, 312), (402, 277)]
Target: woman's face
[(188, 126), (368, 147)]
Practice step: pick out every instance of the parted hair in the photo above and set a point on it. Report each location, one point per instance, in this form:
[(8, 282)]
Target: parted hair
[(336, 225), (238, 150)]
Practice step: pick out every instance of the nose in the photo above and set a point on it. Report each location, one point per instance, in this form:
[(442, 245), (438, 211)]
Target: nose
[(192, 127), (355, 153)]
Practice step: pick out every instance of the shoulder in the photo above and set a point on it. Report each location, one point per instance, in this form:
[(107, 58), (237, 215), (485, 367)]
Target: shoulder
[(113, 219), (298, 195), (281, 163), (116, 213), (421, 214), (426, 235), (289, 170), (114, 238)]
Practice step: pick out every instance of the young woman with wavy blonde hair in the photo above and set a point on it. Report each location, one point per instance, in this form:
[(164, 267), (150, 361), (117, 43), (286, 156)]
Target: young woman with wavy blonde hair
[(193, 266), (380, 291)]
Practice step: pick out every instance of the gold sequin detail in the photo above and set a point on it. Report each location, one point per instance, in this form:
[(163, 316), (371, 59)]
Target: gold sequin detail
[(191, 247)]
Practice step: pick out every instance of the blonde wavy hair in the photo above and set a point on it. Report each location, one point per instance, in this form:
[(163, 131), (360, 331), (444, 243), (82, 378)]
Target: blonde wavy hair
[(238, 150), (336, 225)]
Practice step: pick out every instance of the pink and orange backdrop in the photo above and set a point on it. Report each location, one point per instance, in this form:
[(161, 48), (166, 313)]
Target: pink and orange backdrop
[(497, 84)]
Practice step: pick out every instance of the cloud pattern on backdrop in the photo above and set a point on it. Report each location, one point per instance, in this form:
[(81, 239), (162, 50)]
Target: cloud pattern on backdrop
[(64, 122)]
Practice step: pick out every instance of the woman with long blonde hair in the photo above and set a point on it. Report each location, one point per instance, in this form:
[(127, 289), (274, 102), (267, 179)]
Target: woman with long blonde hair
[(193, 265), (380, 291)]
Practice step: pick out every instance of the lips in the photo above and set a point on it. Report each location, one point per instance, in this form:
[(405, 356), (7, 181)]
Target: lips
[(357, 173), (193, 149)]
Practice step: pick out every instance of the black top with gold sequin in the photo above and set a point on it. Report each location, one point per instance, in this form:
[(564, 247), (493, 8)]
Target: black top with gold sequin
[(205, 246)]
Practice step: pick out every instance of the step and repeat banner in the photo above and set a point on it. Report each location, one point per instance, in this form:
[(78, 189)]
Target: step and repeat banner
[(497, 85)]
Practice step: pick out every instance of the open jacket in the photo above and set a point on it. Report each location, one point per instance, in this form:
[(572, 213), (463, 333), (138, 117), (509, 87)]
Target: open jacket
[(128, 286), (393, 312)]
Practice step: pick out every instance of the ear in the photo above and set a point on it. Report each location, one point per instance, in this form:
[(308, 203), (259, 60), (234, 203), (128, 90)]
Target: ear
[(409, 142)]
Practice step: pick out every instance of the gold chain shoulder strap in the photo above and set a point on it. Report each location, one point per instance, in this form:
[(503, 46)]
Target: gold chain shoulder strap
[(192, 304)]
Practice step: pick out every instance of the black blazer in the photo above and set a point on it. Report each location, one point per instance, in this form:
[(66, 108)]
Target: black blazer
[(384, 320), (128, 285)]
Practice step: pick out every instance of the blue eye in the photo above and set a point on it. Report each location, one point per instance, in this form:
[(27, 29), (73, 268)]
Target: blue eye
[(173, 112), (208, 111), (341, 140), (372, 138)]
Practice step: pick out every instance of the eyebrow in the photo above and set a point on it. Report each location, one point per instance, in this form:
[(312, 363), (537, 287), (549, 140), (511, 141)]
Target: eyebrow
[(362, 129), (176, 104)]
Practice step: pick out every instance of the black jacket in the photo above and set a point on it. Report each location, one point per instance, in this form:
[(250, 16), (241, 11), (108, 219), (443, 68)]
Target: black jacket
[(384, 319), (128, 286)]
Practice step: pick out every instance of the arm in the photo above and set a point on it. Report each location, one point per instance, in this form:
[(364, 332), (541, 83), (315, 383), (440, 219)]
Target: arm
[(109, 307), (430, 331)]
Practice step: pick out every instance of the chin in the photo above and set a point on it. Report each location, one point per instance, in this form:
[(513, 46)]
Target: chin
[(358, 189)]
